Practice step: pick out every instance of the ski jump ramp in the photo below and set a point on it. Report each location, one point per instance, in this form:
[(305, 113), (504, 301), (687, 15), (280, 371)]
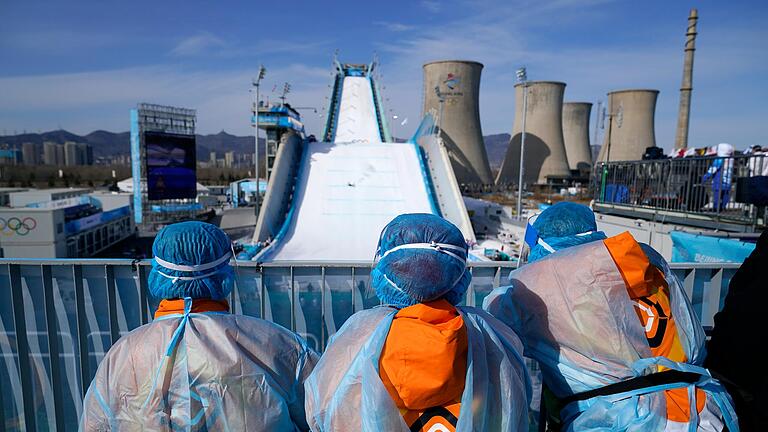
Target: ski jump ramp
[(344, 191)]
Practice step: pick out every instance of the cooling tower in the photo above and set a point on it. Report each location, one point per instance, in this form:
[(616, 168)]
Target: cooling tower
[(576, 135), (458, 84), (630, 128), (544, 148)]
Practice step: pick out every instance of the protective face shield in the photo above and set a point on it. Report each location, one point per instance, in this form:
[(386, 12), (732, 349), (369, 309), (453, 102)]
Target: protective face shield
[(560, 226), (420, 258), (191, 261)]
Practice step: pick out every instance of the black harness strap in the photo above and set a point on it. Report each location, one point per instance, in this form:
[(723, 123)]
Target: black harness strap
[(641, 382)]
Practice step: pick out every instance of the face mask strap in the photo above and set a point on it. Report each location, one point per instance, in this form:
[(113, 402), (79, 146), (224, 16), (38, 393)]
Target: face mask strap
[(193, 268), (438, 247), (174, 279), (532, 237)]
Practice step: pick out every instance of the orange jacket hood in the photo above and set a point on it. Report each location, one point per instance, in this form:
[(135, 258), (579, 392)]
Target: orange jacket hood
[(424, 360)]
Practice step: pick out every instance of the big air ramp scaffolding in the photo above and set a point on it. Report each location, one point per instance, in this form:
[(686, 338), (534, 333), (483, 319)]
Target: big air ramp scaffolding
[(328, 201)]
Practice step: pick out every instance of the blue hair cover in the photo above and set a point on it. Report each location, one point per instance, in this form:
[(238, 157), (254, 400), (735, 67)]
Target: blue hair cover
[(422, 258), (191, 260), (561, 226)]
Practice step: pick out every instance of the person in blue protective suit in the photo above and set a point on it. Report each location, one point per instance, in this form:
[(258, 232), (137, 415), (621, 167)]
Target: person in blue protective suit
[(420, 362), (196, 366), (619, 345), (560, 226), (720, 173)]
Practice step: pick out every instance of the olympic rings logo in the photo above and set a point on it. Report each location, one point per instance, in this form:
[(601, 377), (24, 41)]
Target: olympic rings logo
[(18, 226)]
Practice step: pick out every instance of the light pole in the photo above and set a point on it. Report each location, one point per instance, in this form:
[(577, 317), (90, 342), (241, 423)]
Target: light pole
[(256, 82), (522, 78), (619, 118)]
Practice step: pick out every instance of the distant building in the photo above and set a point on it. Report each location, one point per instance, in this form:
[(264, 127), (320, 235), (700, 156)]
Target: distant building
[(49, 153), (84, 154), (5, 195), (229, 159), (70, 153), (29, 154), (68, 223), (8, 156), (60, 159), (212, 159), (34, 196)]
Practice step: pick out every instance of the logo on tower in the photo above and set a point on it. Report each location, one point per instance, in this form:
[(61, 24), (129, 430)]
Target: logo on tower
[(452, 81)]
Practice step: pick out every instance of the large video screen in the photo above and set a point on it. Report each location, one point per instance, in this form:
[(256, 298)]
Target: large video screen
[(171, 166)]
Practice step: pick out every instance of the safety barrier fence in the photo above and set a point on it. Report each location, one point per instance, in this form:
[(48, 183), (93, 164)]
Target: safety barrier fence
[(707, 189), (59, 317)]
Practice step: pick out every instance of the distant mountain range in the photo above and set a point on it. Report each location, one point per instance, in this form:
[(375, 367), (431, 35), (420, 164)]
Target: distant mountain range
[(496, 148), (110, 143)]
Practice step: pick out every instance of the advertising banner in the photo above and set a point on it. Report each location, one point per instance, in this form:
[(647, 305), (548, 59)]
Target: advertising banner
[(705, 249)]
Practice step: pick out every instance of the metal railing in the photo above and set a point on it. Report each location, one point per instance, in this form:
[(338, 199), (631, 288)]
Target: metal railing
[(58, 318), (697, 188)]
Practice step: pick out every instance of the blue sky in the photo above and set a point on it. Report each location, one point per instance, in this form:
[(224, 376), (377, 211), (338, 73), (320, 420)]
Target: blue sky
[(82, 65)]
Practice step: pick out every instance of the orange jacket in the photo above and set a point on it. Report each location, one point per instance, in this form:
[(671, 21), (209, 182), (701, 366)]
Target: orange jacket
[(176, 306), (423, 364), (648, 288)]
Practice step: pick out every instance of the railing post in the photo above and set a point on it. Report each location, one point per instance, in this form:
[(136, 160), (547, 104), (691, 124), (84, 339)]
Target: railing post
[(262, 293), (293, 303), (323, 327), (114, 328), (53, 345), (22, 346), (354, 289), (82, 330), (688, 283), (711, 299), (471, 290), (2, 409), (144, 312)]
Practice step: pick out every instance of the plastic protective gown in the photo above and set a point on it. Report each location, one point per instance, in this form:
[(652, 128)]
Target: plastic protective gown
[(575, 317), (193, 368), (422, 259), (227, 372), (345, 393)]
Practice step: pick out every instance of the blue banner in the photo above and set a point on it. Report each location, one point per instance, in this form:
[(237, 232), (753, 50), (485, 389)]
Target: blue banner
[(700, 248), (88, 222), (173, 208)]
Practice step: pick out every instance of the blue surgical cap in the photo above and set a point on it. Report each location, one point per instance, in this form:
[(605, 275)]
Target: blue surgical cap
[(561, 226), (191, 260), (422, 257)]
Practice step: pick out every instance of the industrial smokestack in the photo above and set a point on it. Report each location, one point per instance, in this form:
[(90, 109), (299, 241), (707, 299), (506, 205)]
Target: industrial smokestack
[(544, 148), (457, 83), (576, 135), (683, 116), (630, 128)]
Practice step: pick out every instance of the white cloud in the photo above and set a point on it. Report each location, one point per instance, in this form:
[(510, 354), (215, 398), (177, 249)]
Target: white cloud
[(199, 44), (431, 5), (212, 46), (82, 102), (394, 26)]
